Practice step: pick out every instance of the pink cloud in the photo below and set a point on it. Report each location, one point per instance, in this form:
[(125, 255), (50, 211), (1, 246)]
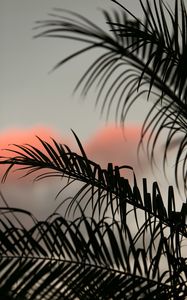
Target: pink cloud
[(27, 136), (109, 144), (19, 136)]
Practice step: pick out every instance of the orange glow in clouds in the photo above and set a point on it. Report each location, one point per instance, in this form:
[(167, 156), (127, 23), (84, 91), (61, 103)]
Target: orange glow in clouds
[(110, 145), (106, 145), (22, 136), (26, 136)]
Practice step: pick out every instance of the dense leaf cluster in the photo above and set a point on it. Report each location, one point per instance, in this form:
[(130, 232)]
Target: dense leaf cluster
[(125, 242), (96, 257)]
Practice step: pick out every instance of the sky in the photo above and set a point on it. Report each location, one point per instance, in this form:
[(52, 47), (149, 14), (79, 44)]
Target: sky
[(35, 101), (31, 96)]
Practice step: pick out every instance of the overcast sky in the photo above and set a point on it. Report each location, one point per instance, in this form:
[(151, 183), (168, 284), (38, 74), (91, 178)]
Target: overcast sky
[(31, 96)]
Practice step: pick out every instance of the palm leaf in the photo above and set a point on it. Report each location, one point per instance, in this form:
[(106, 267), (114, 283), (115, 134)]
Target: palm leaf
[(96, 257), (155, 48), (85, 259), (103, 192)]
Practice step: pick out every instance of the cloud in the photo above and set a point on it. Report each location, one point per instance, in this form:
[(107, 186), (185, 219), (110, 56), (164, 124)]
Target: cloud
[(22, 136), (37, 198), (108, 144), (19, 136), (111, 144)]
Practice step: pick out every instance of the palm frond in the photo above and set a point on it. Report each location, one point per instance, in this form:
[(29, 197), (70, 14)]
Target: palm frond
[(103, 192), (85, 259), (145, 57)]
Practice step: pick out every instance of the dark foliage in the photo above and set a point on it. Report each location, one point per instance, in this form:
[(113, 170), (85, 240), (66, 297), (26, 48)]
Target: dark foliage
[(143, 58), (113, 241), (96, 257)]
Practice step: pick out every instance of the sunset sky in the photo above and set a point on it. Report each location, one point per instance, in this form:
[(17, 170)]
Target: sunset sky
[(36, 102)]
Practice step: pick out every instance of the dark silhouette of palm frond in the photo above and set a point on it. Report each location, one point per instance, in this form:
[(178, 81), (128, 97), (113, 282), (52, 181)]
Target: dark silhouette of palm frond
[(54, 260), (113, 239), (107, 190), (142, 58), (96, 257)]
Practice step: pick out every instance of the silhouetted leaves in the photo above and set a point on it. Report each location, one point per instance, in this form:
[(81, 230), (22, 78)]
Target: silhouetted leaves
[(124, 244), (96, 257), (141, 58)]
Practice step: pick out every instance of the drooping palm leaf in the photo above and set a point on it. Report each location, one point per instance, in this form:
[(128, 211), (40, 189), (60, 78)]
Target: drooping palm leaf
[(140, 57), (85, 259), (102, 191), (96, 257)]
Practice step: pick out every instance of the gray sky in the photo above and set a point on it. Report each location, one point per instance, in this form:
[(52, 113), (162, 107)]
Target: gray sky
[(30, 96)]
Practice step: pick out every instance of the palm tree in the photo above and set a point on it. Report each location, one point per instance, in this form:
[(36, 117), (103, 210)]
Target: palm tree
[(100, 255)]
